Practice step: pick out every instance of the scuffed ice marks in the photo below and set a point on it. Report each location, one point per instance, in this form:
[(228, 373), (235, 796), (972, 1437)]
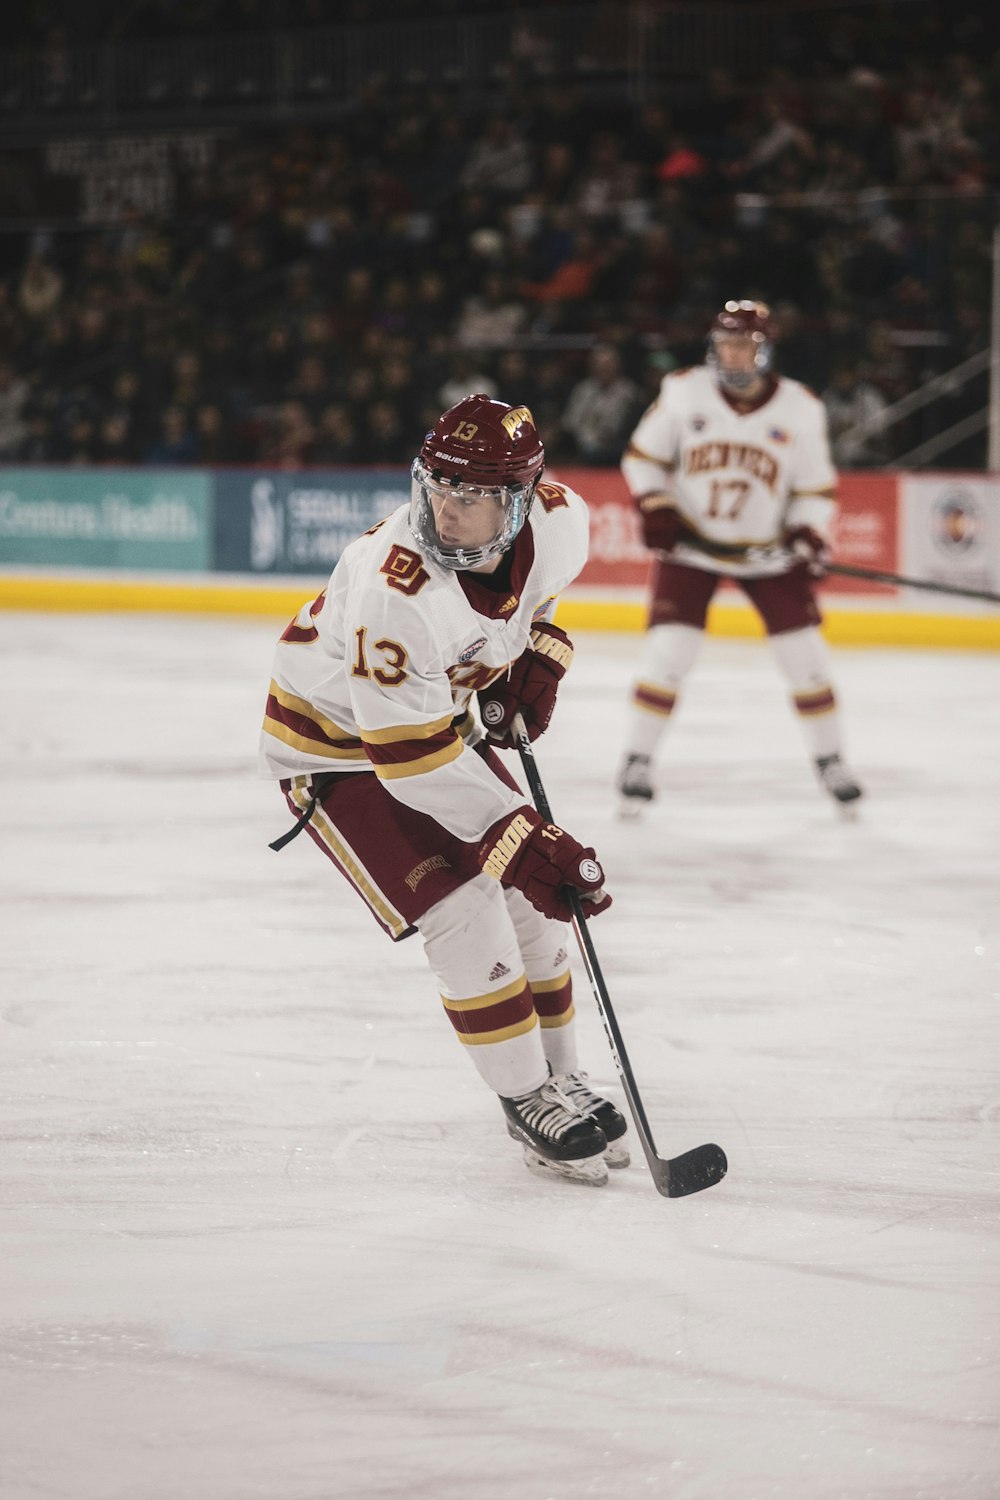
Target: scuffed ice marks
[(79, 1348)]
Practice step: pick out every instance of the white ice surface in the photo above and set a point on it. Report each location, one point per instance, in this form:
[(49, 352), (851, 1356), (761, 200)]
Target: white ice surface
[(263, 1234)]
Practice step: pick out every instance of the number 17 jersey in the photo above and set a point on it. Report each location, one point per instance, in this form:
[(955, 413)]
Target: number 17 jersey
[(739, 472)]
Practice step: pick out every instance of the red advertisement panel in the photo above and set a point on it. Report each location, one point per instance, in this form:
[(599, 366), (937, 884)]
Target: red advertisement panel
[(617, 556), (864, 535)]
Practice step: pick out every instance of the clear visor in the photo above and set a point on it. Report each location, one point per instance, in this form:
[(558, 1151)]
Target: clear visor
[(463, 525), (739, 359)]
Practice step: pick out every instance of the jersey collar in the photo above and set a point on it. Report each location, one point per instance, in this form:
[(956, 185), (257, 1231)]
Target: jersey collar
[(741, 406), (501, 604)]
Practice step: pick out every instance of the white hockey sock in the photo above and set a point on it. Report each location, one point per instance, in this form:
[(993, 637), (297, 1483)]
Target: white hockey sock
[(668, 654), (543, 946), (559, 1046), (472, 948), (804, 661)]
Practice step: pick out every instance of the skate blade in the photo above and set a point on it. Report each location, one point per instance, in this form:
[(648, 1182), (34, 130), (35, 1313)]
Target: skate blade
[(616, 1154), (631, 809), (849, 812), (591, 1171)]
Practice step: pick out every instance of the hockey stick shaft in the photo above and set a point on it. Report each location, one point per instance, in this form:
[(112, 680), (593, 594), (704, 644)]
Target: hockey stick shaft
[(695, 1169), (875, 576)]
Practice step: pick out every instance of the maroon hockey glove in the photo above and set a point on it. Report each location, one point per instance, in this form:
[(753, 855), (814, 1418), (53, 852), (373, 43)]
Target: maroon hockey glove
[(530, 689), (542, 860), (809, 547), (661, 525)]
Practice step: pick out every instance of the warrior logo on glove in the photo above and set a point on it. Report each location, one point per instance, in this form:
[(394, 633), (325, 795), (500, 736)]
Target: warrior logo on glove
[(493, 713), (531, 688)]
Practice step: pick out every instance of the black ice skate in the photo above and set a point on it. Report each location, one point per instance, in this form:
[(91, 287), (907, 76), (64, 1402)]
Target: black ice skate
[(839, 782), (556, 1137), (635, 785), (602, 1111)]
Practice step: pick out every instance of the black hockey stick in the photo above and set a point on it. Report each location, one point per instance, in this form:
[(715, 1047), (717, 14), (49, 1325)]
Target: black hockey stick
[(911, 583), (694, 1170)]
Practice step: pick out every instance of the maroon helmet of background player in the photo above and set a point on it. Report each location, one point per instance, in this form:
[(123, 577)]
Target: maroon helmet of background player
[(479, 450), (744, 321)]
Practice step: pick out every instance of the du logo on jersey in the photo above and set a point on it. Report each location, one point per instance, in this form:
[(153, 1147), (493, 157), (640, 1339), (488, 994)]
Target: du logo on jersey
[(267, 525)]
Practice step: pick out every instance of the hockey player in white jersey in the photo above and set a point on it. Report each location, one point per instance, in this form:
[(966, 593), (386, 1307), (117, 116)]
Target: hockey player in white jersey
[(371, 729), (730, 469)]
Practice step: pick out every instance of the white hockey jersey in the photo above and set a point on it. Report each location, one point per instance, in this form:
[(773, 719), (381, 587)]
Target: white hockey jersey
[(738, 473), (378, 672)]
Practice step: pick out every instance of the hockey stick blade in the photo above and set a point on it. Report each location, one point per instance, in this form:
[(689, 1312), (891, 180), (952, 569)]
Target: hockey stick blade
[(691, 1172)]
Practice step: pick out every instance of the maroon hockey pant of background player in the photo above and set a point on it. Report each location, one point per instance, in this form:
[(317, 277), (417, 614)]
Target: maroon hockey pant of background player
[(680, 595)]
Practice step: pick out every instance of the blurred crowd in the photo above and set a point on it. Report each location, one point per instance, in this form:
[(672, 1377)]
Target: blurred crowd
[(119, 20), (321, 293)]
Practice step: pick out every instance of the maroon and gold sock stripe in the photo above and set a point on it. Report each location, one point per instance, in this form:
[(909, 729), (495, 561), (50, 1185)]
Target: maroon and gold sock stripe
[(554, 1000), (817, 701), (481, 1020), (653, 699)]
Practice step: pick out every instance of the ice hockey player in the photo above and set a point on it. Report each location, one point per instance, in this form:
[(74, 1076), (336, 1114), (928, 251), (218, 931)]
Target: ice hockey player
[(730, 469), (371, 727)]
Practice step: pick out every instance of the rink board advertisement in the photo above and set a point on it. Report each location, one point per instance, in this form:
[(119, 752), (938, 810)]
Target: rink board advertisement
[(283, 522), (279, 522), (865, 533), (106, 518), (951, 529), (102, 535)]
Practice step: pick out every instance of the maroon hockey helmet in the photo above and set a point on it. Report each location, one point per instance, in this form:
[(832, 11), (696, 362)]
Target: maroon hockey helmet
[(481, 450), (738, 320)]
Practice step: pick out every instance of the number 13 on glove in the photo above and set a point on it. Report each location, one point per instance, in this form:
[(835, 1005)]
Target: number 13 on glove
[(541, 860)]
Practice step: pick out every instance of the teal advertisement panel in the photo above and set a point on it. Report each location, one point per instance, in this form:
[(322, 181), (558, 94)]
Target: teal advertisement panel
[(142, 519), (270, 521)]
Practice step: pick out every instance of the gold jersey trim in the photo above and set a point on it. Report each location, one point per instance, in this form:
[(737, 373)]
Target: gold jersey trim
[(308, 711), (425, 763), (310, 747), (397, 732)]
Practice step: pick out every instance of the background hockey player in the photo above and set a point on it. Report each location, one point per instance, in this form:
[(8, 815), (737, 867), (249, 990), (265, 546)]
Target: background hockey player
[(371, 729), (730, 469)]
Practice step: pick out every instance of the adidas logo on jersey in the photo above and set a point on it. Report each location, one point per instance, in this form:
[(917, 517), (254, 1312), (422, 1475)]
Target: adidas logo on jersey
[(498, 971)]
